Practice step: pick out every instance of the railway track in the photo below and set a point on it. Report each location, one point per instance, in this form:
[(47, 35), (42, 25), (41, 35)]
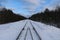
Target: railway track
[(35, 31), (21, 31), (30, 31)]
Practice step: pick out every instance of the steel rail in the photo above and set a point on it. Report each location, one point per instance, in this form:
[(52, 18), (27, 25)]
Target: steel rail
[(35, 31), (26, 34), (21, 32), (37, 25), (31, 33)]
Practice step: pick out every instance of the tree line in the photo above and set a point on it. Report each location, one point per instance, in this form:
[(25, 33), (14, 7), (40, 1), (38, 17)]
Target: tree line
[(7, 16), (51, 17)]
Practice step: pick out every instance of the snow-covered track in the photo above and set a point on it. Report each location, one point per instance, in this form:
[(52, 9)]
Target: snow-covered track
[(28, 30), (21, 31), (35, 31), (27, 35)]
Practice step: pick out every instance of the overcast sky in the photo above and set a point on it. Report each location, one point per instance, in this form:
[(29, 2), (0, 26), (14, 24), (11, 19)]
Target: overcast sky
[(28, 7)]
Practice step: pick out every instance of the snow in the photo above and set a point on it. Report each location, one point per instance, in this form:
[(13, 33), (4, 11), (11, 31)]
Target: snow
[(32, 31), (11, 30), (47, 32)]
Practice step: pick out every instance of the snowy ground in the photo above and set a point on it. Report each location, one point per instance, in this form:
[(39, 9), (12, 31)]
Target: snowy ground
[(28, 30)]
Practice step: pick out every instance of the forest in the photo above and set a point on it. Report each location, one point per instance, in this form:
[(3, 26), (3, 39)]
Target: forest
[(50, 17), (7, 16)]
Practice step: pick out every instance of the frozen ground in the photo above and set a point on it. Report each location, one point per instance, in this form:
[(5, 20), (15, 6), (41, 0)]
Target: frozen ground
[(28, 30)]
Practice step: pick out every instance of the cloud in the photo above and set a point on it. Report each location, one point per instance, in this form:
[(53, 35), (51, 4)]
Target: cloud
[(37, 3), (34, 5), (2, 2), (53, 4), (30, 6)]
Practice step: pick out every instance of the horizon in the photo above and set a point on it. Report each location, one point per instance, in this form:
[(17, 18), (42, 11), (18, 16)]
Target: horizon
[(29, 7)]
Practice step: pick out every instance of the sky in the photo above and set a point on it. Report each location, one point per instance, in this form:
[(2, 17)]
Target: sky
[(28, 7)]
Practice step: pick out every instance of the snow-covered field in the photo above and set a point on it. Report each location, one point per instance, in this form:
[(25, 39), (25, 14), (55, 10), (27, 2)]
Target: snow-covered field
[(28, 30)]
